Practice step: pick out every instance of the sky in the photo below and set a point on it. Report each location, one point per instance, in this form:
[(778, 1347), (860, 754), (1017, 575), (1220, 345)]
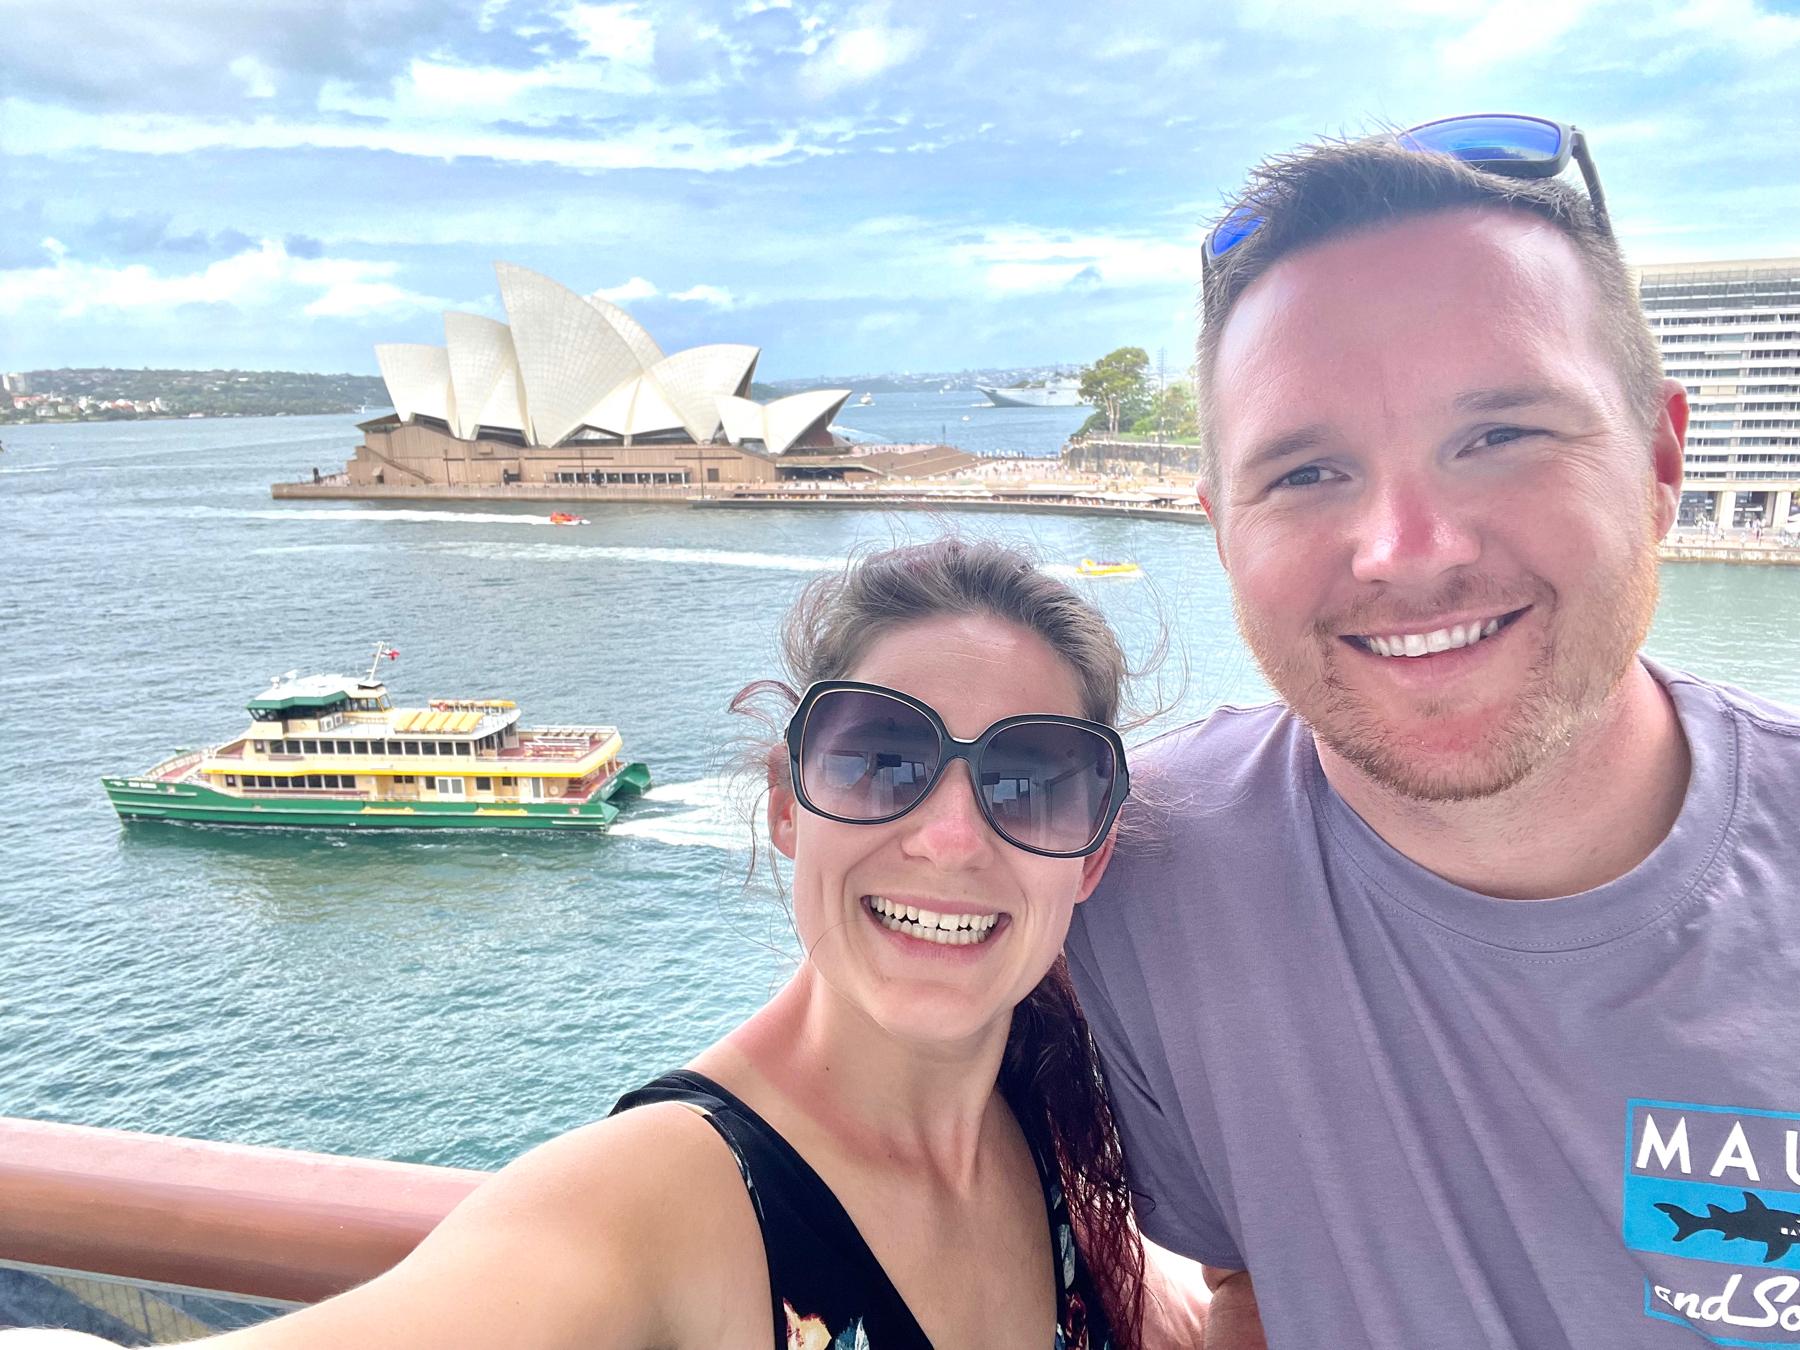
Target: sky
[(853, 187)]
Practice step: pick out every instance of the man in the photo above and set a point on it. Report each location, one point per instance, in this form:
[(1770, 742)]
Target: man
[(1452, 1002)]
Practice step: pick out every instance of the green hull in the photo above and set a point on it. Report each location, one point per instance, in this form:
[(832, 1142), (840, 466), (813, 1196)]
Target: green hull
[(148, 799)]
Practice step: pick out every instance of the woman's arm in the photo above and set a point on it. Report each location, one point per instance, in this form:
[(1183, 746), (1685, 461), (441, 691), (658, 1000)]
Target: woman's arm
[(618, 1236), (1175, 1300), (1234, 1323)]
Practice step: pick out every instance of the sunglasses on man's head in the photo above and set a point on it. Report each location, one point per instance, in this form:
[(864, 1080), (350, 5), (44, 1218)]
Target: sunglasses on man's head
[(862, 754), (1509, 144)]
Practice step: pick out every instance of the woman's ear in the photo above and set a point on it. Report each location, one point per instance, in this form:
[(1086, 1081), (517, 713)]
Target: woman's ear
[(1093, 867), (783, 809)]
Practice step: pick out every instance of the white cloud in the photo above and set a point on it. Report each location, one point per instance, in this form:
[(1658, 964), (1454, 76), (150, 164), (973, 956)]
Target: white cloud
[(51, 130), (258, 80), (854, 56), (266, 276), (635, 289), (1511, 31), (1014, 259), (716, 296), (615, 32)]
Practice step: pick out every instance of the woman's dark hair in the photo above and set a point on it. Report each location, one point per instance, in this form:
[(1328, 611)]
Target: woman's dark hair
[(1050, 1074)]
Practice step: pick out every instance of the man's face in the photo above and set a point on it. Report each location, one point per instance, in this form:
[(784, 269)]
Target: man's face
[(1439, 514)]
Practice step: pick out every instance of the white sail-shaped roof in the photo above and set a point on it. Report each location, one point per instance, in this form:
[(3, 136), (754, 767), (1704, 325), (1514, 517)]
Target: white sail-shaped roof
[(743, 419), (780, 424), (636, 336), (693, 381), (635, 408), (570, 355), (417, 377), (484, 374)]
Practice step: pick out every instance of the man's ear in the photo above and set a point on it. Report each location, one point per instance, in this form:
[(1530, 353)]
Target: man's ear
[(1668, 449), (1212, 517)]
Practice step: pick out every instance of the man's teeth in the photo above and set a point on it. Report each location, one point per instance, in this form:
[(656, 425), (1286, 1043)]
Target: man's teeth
[(1438, 640), (951, 930)]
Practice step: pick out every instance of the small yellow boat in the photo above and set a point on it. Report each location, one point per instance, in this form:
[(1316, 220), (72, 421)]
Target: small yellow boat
[(1090, 568)]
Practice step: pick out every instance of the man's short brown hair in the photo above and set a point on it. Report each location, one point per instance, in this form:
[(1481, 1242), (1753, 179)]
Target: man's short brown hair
[(1335, 188)]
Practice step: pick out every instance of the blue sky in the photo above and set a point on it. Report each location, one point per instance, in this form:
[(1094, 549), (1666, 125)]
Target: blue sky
[(852, 187)]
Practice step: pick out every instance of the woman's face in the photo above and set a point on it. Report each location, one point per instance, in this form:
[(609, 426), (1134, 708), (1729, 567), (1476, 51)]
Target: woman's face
[(943, 857)]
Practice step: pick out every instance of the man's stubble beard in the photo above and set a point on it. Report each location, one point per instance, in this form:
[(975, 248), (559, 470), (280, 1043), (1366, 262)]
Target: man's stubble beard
[(1570, 680)]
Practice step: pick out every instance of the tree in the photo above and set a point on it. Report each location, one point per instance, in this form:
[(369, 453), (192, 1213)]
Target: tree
[(1173, 416), (1114, 385)]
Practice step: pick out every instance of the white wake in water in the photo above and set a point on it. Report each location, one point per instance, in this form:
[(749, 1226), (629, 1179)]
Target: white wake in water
[(412, 514), (703, 813), (681, 557)]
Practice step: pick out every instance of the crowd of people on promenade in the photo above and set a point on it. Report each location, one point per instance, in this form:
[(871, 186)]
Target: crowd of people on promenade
[(1441, 1002)]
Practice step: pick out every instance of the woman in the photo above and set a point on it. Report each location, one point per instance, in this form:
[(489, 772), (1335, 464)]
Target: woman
[(910, 1145)]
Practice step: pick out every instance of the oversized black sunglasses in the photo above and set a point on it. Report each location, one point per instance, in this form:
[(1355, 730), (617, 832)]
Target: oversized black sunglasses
[(863, 754), (1510, 144)]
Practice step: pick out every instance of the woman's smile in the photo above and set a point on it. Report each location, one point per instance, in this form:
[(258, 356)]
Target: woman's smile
[(935, 924)]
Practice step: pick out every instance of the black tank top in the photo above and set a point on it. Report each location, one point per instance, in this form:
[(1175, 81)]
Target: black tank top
[(826, 1289)]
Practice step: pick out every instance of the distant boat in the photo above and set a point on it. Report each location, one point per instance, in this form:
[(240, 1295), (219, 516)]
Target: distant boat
[(865, 400), (1090, 567), (1050, 394)]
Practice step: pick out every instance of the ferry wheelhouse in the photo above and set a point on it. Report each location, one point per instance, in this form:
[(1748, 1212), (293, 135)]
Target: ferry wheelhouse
[(330, 751)]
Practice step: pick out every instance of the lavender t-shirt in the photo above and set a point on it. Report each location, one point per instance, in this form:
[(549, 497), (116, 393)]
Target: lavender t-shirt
[(1428, 1119)]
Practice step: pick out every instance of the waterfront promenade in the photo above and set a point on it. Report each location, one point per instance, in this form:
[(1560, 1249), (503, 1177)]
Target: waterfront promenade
[(1004, 489)]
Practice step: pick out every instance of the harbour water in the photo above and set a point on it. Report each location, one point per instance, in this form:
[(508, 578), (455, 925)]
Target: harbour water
[(456, 1000)]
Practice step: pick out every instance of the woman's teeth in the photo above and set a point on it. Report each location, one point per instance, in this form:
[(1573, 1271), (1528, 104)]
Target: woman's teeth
[(1438, 640), (951, 930)]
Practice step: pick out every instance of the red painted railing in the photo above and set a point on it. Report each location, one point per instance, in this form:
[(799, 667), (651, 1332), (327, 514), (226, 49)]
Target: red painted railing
[(262, 1223)]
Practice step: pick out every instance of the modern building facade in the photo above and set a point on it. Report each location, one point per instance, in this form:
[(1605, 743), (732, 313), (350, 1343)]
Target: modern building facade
[(1730, 332)]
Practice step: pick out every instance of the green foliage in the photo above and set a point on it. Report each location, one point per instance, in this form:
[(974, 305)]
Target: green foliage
[(1172, 417), (1116, 387)]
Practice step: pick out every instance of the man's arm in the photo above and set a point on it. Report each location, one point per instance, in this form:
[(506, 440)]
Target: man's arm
[(1233, 1322)]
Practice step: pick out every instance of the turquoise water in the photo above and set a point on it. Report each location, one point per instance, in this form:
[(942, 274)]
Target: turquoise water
[(456, 1000)]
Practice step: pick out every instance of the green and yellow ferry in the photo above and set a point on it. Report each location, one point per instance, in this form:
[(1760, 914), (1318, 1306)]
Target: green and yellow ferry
[(328, 751)]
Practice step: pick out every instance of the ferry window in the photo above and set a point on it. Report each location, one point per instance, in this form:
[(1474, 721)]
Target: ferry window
[(508, 782), (230, 780), (360, 747), (412, 747), (312, 780), (484, 785), (403, 778), (450, 787), (310, 747)]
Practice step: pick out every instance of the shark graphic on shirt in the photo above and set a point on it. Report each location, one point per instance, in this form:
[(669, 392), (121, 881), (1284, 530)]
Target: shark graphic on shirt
[(1776, 1229)]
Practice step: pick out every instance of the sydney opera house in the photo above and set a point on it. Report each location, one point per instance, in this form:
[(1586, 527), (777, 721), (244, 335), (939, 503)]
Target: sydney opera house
[(573, 390)]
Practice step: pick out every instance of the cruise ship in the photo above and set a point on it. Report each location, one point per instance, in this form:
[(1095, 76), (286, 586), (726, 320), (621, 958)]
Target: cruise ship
[(329, 751), (1062, 393)]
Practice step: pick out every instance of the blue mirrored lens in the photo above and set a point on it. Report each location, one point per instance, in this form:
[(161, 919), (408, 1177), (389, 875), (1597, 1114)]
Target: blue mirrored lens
[(1239, 224), (1474, 139)]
